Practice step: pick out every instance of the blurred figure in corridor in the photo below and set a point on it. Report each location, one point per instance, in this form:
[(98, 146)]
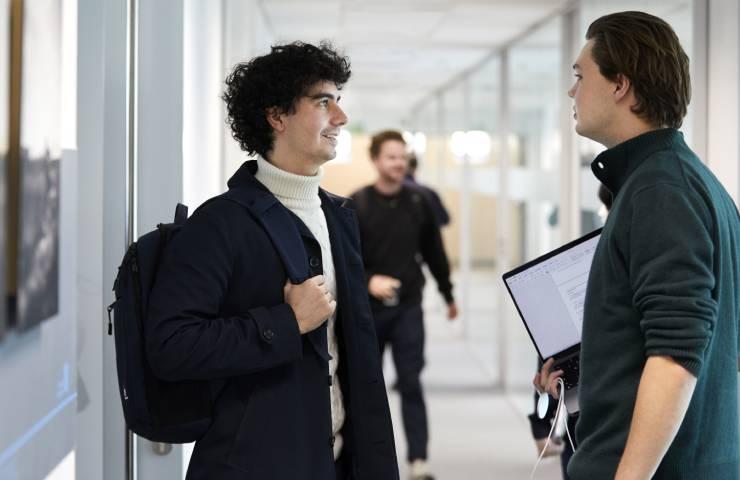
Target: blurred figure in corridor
[(399, 230)]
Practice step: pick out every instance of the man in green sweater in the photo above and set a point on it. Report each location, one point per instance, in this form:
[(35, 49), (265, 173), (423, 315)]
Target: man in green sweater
[(658, 387)]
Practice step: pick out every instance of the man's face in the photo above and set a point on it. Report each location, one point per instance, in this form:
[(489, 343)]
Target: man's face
[(311, 132), (392, 162), (593, 99)]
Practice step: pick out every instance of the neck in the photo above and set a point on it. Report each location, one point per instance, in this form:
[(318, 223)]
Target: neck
[(629, 130), (387, 186), (293, 190), (292, 163)]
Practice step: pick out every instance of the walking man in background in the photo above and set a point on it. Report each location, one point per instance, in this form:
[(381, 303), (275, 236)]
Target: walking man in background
[(398, 230)]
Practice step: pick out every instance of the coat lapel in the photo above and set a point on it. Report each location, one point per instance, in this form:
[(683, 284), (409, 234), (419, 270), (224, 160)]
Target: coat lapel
[(287, 235), (339, 221)]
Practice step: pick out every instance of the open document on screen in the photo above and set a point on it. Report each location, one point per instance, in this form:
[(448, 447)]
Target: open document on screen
[(550, 296)]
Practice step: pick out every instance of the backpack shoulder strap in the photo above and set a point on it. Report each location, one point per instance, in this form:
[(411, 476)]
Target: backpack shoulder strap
[(181, 214), (276, 221)]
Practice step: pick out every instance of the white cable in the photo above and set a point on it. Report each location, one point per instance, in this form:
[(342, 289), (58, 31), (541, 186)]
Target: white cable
[(561, 407), (567, 430)]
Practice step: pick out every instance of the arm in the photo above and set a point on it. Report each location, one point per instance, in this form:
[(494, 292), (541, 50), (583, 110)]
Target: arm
[(187, 335), (670, 271), (433, 252), (662, 400)]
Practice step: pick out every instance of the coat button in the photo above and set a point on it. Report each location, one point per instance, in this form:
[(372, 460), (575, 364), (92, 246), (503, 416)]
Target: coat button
[(314, 262), (331, 441), (268, 335)]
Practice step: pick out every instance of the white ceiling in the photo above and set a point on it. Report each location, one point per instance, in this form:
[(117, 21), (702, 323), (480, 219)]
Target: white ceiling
[(402, 50)]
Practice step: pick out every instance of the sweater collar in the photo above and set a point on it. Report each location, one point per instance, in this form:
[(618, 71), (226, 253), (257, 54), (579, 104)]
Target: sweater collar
[(614, 166), (294, 191)]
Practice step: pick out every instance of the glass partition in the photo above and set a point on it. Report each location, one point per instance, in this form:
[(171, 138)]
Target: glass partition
[(533, 185)]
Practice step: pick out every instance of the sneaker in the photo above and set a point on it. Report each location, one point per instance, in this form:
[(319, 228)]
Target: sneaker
[(419, 470)]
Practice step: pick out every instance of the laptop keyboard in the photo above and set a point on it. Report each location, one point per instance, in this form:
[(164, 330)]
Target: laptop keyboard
[(570, 368)]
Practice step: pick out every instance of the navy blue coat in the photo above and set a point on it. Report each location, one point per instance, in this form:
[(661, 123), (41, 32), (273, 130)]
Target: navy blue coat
[(217, 313)]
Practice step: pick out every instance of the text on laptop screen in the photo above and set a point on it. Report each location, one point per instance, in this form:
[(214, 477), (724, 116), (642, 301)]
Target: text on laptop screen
[(550, 295)]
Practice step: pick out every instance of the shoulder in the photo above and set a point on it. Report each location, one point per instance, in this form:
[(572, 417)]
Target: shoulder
[(338, 200), (418, 197), (361, 192), (219, 217), (675, 165), (666, 175)]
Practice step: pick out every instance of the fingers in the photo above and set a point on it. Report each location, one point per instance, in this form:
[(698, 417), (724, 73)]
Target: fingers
[(318, 279), (546, 380), (543, 375), (547, 366), (552, 383), (536, 383)]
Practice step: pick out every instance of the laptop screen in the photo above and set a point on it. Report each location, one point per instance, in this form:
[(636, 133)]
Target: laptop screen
[(549, 293)]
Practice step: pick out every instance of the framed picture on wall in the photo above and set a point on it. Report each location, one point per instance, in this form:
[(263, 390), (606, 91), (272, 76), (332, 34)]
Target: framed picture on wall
[(39, 158)]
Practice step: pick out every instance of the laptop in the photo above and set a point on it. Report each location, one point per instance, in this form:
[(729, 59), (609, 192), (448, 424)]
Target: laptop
[(549, 293)]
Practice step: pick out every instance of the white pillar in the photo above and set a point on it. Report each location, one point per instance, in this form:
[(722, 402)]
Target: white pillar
[(503, 224), (466, 227), (246, 34), (92, 409), (159, 160), (203, 109), (723, 123), (570, 162)]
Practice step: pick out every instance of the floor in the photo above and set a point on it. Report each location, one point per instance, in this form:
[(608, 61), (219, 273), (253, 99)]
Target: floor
[(477, 430)]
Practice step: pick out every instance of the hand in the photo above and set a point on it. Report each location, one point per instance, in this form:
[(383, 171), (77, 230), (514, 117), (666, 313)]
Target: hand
[(547, 381), (555, 447), (383, 287), (451, 311), (311, 301)]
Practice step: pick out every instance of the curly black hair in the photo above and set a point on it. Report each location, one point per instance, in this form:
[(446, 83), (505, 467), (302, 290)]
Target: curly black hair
[(277, 80)]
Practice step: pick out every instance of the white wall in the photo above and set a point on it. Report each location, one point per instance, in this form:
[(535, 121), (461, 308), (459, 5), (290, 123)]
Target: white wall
[(159, 159), (723, 80), (203, 110), (38, 366), (246, 34)]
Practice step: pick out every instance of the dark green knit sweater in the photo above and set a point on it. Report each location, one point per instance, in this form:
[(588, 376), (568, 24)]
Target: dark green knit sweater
[(665, 280)]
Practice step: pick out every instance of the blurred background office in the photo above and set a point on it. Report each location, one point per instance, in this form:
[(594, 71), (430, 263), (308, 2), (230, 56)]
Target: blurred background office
[(110, 114)]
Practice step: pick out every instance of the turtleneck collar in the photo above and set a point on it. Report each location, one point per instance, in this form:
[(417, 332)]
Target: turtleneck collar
[(293, 191), (614, 166)]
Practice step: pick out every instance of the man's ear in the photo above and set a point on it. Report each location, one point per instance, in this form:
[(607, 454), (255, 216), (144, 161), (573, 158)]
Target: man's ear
[(275, 119), (622, 87)]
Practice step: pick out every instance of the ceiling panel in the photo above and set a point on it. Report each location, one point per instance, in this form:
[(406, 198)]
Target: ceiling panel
[(403, 50)]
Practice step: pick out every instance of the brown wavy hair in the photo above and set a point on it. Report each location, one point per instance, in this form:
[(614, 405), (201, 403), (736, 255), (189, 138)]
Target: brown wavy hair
[(646, 50), (377, 141)]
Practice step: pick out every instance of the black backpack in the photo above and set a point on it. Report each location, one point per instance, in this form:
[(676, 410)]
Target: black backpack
[(161, 411)]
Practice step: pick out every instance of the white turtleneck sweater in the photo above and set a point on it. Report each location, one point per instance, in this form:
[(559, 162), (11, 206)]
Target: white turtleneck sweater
[(300, 194)]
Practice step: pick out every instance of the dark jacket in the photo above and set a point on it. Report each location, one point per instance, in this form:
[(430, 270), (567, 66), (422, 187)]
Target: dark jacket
[(218, 313), (440, 212), (665, 281), (398, 232)]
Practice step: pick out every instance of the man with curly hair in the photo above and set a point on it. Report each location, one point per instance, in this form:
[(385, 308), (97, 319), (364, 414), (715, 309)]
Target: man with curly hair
[(658, 380), (262, 293)]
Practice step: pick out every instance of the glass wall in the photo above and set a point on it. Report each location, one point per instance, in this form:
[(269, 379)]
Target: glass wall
[(526, 206), (484, 93), (533, 180)]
